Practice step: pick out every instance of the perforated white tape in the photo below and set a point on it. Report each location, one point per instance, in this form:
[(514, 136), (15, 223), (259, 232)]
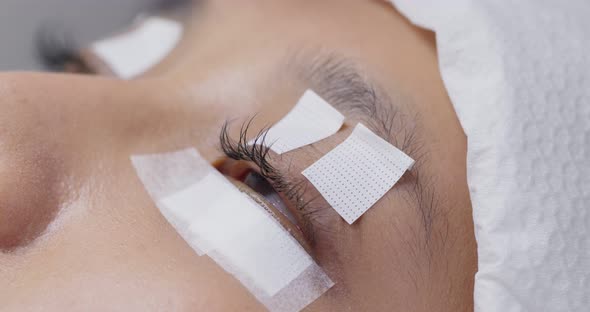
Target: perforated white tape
[(358, 172), (311, 120), (217, 219), (133, 53)]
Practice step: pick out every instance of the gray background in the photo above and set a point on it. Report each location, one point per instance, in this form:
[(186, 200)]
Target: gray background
[(85, 20)]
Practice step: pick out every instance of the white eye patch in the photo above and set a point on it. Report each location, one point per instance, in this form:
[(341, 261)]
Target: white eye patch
[(217, 219), (131, 54), (358, 172), (311, 120)]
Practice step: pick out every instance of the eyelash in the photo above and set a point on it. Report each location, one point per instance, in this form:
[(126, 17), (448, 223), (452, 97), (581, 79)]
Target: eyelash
[(258, 153)]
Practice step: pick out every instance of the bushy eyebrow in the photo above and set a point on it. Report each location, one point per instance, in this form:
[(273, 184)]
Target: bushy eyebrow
[(340, 82), (343, 85)]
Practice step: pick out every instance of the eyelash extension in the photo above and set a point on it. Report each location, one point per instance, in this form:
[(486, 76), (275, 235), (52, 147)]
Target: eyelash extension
[(258, 153)]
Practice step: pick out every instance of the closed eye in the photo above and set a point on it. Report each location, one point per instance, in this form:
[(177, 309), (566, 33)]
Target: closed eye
[(292, 192)]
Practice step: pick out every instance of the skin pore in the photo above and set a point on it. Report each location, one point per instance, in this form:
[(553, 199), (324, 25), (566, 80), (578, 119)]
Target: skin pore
[(79, 232)]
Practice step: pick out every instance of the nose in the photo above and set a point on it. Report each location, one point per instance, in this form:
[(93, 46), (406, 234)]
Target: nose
[(57, 128)]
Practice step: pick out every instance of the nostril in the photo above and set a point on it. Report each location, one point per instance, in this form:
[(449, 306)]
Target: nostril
[(29, 199)]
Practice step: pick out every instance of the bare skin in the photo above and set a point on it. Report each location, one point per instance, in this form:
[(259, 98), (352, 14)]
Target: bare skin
[(79, 232)]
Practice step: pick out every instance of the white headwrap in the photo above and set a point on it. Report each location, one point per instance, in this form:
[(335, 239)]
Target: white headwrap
[(518, 74)]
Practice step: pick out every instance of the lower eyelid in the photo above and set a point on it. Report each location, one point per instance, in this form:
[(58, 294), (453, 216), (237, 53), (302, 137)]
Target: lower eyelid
[(264, 188)]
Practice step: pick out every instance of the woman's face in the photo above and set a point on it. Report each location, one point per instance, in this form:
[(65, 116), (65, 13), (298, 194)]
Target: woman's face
[(79, 232)]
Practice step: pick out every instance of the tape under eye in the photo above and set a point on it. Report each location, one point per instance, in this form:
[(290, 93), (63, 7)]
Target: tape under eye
[(218, 220)]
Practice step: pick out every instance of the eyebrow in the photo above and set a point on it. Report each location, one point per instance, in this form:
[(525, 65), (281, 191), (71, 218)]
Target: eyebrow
[(340, 82)]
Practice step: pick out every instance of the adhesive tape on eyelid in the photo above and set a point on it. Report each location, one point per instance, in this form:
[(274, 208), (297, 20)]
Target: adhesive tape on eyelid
[(233, 230), (311, 119), (236, 233), (133, 53), (231, 225), (358, 172)]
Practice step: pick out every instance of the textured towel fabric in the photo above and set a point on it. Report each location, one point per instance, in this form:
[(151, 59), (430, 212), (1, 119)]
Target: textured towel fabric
[(518, 74)]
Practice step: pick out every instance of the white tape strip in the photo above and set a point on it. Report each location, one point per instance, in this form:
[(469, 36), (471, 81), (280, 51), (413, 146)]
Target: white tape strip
[(199, 210), (303, 290), (239, 230), (264, 252), (311, 120), (358, 172), (133, 53), (164, 174), (217, 219)]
